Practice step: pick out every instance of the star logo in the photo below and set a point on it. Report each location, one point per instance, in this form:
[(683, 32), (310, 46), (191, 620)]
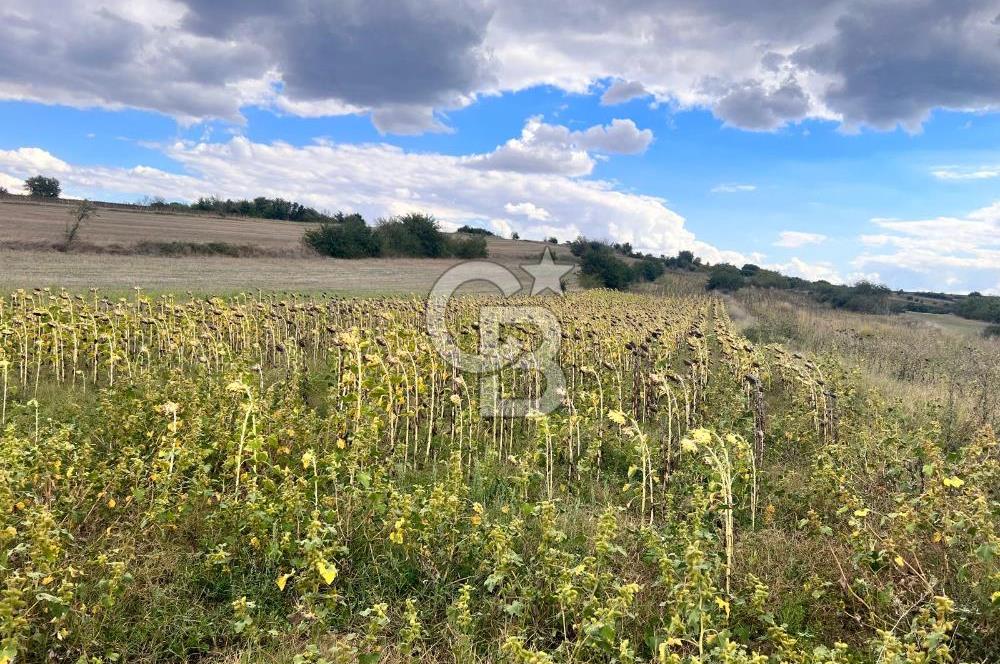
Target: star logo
[(546, 275)]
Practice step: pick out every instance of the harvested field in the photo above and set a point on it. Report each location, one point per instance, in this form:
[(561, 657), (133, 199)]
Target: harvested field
[(26, 227)]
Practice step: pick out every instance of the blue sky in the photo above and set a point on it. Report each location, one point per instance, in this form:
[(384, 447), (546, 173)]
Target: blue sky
[(767, 142)]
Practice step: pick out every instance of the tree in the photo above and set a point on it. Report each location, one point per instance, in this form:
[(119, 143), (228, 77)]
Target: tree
[(4, 192), (515, 236), (348, 236), (725, 277), (84, 211), (43, 187)]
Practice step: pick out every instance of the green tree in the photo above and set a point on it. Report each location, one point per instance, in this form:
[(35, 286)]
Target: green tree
[(345, 236), (43, 187)]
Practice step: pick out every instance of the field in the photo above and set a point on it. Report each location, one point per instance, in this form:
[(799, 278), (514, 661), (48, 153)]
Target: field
[(28, 230), (305, 479)]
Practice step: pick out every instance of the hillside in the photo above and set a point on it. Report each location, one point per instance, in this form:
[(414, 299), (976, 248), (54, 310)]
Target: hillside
[(29, 229)]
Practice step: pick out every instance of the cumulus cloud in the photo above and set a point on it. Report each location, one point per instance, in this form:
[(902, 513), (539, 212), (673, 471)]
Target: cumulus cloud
[(757, 65), (379, 180), (892, 63), (621, 91), (529, 210), (755, 105), (820, 271), (796, 239), (972, 242), (548, 148)]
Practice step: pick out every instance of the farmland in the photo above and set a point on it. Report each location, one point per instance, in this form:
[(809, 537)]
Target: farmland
[(305, 479), (108, 256)]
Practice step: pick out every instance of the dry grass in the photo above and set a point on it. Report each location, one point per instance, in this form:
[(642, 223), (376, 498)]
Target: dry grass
[(220, 275), (32, 227), (912, 358)]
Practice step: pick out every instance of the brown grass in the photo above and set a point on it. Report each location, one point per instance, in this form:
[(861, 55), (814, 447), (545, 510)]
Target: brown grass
[(114, 253)]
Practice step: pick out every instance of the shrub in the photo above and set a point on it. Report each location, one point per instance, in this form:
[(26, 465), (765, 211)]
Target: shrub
[(473, 230), (650, 269), (416, 235), (725, 277), (598, 260), (992, 331), (43, 187), (469, 247), (345, 236)]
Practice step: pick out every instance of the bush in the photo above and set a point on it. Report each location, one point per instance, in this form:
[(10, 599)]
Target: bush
[(598, 261), (43, 187), (415, 235), (346, 236), (472, 230), (725, 277), (992, 331), (650, 269), (469, 247)]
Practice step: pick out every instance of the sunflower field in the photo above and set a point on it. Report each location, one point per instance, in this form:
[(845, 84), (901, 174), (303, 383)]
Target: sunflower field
[(285, 478)]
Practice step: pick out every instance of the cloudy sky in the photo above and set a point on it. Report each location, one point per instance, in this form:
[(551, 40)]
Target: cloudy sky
[(829, 138)]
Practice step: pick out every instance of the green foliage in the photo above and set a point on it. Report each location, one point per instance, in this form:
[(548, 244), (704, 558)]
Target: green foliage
[(599, 262), (992, 331), (412, 235), (40, 186), (468, 247), (475, 230), (979, 307), (260, 207), (725, 277), (345, 236), (303, 479)]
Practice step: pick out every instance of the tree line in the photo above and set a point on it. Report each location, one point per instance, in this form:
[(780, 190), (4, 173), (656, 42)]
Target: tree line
[(413, 235)]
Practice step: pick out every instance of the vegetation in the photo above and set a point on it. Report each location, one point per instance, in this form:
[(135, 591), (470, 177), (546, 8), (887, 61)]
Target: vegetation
[(346, 236), (84, 211), (979, 307), (40, 186), (475, 230), (413, 235), (305, 480), (260, 207)]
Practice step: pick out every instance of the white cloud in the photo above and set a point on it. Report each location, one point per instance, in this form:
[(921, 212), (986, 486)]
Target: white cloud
[(979, 173), (821, 270), (529, 210), (927, 245), (619, 137), (27, 162), (378, 180), (733, 188), (796, 239), (548, 148)]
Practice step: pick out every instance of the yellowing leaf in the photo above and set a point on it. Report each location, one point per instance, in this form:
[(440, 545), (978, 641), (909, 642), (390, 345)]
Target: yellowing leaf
[(112, 503), (616, 416), (308, 459), (953, 482), (327, 571), (283, 579), (899, 561)]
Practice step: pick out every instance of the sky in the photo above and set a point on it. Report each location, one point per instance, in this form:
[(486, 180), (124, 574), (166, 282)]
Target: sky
[(829, 139)]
